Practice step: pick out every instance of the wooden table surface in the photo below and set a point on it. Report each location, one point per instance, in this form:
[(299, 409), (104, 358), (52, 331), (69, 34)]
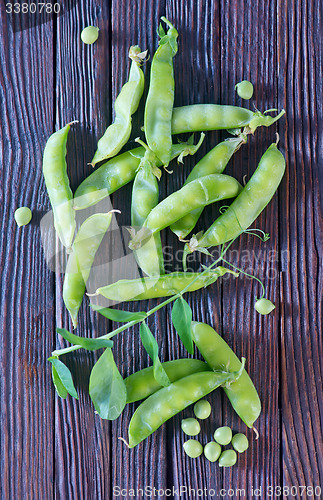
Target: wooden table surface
[(53, 448)]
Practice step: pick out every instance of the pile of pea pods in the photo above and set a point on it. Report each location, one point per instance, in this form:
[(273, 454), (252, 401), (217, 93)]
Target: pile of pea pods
[(169, 387)]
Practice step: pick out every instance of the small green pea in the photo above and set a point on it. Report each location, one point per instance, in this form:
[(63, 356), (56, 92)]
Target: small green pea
[(264, 306), (191, 426), (202, 409), (240, 442), (228, 458), (212, 451), (193, 448), (244, 89), (23, 216), (223, 435), (90, 35)]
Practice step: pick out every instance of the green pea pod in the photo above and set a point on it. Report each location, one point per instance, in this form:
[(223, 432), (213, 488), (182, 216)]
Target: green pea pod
[(254, 197), (126, 104), (164, 286), (142, 384), (58, 186), (160, 98), (202, 117), (213, 162), (216, 352), (117, 172), (85, 246), (170, 400), (194, 195), (145, 195)]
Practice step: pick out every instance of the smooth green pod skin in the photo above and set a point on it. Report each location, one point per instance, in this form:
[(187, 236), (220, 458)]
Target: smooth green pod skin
[(223, 435), (170, 400), (216, 352), (244, 89), (117, 172), (196, 194), (90, 34), (254, 197), (214, 162), (145, 196), (190, 426), (142, 384), (58, 186), (202, 409), (85, 246), (164, 286), (193, 448), (126, 104), (23, 216), (160, 98), (240, 442), (228, 458), (202, 117), (264, 306), (212, 451)]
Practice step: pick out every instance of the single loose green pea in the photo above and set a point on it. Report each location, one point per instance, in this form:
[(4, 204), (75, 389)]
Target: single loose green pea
[(193, 448), (244, 89), (202, 409), (212, 451), (23, 216), (228, 458), (223, 435), (90, 35), (191, 426), (264, 306), (240, 442)]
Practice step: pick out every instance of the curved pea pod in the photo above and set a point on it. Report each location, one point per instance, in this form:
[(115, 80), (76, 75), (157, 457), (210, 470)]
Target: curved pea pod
[(194, 195), (216, 352), (145, 195), (163, 286), (126, 104), (117, 172), (213, 162), (170, 400), (58, 186), (254, 197), (160, 98), (142, 384), (202, 117), (85, 246)]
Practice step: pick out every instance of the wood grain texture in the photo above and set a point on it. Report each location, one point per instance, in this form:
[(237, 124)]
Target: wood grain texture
[(27, 316), (299, 91), (62, 449)]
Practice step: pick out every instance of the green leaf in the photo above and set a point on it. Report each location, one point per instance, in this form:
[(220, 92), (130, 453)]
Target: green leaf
[(86, 343), (182, 321), (107, 388), (117, 315), (64, 375), (150, 344), (60, 389)]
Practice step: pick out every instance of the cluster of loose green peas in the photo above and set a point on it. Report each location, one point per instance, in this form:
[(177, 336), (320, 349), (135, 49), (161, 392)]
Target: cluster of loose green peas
[(222, 437)]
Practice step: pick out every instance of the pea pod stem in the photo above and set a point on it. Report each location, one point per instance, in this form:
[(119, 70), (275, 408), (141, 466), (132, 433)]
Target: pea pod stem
[(249, 275), (110, 335)]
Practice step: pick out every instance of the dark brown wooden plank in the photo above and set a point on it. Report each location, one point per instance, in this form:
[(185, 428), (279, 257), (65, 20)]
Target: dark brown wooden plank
[(83, 91), (27, 316), (248, 52), (197, 79), (300, 92)]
